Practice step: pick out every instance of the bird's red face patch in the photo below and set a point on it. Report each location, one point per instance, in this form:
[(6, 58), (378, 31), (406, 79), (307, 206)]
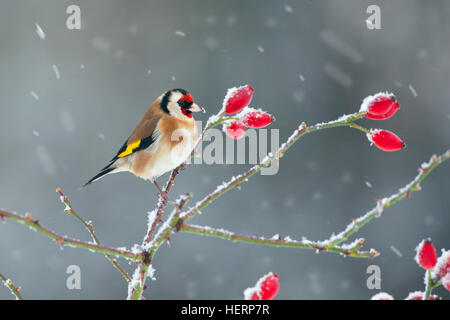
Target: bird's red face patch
[(187, 97), (185, 103), (186, 112)]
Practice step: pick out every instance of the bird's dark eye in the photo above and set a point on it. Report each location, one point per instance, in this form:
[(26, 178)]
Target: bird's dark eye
[(186, 101), (184, 104)]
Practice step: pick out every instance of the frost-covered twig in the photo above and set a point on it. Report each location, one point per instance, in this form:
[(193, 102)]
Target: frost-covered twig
[(136, 287), (333, 243), (429, 285), (10, 285), (347, 250), (63, 240), (385, 203), (161, 205), (88, 225)]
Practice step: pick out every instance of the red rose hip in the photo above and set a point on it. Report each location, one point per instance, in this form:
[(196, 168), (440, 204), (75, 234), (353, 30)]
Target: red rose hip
[(235, 130), (386, 140), (380, 106), (238, 99), (256, 119), (388, 114), (426, 254)]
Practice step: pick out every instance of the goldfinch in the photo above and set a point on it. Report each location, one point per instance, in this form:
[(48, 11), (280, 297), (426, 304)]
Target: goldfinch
[(162, 140)]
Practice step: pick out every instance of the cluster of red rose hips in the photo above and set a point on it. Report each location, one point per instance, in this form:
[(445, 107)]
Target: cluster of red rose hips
[(437, 271), (380, 107), (377, 107), (236, 101)]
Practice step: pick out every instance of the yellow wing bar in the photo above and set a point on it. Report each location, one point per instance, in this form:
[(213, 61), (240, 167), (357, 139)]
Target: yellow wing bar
[(130, 149)]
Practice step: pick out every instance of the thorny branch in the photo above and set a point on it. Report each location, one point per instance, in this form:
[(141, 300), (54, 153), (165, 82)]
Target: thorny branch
[(350, 250), (137, 285), (62, 240), (333, 243), (424, 170), (88, 225)]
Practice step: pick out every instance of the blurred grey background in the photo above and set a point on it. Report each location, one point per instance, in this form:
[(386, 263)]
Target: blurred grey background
[(307, 60)]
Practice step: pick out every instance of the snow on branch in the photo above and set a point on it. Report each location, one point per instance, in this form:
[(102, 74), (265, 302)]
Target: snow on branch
[(12, 288), (346, 250), (386, 202), (89, 226), (65, 241), (144, 270), (333, 244)]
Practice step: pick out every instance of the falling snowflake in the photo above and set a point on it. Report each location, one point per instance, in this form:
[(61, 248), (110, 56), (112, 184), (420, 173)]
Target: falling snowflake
[(34, 95), (180, 33), (56, 71), (413, 91), (396, 251), (337, 75), (288, 8), (341, 46), (40, 32)]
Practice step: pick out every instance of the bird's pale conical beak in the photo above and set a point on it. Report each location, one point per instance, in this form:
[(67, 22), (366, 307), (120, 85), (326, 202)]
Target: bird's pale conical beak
[(195, 108)]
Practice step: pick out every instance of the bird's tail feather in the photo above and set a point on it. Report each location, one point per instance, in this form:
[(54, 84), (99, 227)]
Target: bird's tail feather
[(103, 172)]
